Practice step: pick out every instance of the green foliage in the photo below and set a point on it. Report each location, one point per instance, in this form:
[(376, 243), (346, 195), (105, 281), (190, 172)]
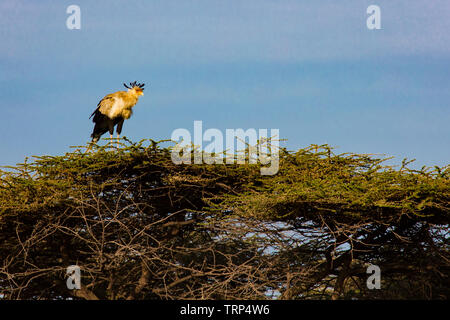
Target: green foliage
[(357, 186), (142, 227)]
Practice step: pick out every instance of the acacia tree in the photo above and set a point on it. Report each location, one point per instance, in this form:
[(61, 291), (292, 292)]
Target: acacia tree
[(141, 227)]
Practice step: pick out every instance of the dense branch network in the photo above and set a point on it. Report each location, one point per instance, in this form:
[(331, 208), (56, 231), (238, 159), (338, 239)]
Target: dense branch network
[(141, 227)]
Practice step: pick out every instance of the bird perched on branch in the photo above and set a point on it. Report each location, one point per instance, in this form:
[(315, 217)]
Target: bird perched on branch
[(114, 109)]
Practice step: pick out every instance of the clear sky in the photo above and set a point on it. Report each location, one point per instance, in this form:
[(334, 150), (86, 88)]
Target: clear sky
[(311, 69)]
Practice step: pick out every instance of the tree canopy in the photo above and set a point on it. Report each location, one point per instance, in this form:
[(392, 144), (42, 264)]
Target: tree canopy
[(141, 227)]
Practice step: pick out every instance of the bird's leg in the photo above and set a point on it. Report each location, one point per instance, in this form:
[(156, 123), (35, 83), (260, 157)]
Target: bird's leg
[(111, 137), (118, 141)]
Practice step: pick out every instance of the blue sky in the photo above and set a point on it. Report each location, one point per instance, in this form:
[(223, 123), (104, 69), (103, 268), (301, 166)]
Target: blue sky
[(309, 68)]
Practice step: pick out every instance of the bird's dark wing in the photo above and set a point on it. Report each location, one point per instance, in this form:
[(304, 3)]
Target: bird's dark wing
[(96, 110), (103, 106)]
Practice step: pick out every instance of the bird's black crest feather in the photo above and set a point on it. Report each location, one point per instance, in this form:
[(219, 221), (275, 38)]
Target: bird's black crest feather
[(135, 84)]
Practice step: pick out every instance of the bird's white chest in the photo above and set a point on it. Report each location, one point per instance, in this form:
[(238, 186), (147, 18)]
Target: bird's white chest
[(119, 109)]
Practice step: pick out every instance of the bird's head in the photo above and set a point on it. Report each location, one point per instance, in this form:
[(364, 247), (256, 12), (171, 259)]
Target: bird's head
[(136, 88)]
